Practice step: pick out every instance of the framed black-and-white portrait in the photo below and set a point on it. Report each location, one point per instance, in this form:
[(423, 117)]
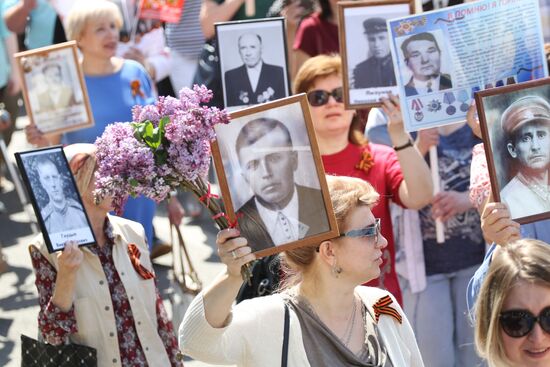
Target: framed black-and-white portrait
[(253, 61), (515, 123), (54, 90), (55, 198), (365, 46), (271, 176)]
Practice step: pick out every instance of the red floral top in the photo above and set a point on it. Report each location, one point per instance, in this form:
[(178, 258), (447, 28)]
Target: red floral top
[(56, 325)]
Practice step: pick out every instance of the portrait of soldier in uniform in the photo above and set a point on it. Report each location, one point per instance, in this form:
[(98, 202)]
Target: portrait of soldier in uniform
[(526, 125), (61, 213), (423, 58), (377, 70), (280, 211), (255, 81)]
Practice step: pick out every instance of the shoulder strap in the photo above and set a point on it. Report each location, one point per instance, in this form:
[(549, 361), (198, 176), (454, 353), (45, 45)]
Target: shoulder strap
[(284, 358)]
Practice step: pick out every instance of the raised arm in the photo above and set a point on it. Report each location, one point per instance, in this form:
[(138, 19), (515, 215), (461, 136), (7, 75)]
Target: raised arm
[(55, 289), (416, 190), (219, 296), (212, 12)]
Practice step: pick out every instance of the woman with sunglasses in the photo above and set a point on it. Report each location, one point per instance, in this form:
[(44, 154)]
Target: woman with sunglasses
[(332, 321), (399, 174), (513, 307)]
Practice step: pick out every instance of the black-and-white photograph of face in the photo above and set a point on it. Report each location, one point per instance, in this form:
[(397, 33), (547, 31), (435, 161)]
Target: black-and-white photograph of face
[(55, 197), (54, 90), (518, 123), (427, 64), (253, 62), (368, 56), (272, 178)]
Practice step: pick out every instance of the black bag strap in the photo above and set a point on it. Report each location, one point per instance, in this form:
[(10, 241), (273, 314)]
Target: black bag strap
[(286, 331)]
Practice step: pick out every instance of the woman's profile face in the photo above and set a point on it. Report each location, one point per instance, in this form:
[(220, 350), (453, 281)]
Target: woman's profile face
[(330, 119), (99, 38), (532, 350), (361, 257)]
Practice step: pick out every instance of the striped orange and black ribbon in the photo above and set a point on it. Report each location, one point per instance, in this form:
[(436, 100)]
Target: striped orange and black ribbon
[(135, 254), (382, 307)]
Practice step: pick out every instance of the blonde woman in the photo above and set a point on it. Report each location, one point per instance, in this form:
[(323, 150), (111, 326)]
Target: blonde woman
[(333, 320), (513, 307)]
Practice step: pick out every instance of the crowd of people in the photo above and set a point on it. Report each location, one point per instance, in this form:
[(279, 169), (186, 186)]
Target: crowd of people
[(382, 293)]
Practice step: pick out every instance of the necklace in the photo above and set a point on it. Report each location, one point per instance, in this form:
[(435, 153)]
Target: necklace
[(351, 324), (541, 191)]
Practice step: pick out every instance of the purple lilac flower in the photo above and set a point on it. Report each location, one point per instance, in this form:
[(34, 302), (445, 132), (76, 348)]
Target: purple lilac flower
[(127, 165)]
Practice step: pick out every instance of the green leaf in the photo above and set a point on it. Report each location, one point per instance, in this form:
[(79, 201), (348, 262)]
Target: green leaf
[(161, 157), (133, 182)]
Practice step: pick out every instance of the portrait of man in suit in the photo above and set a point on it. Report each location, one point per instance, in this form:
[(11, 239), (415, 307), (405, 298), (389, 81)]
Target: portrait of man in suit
[(377, 70), (61, 213), (254, 81), (280, 211), (423, 58), (58, 94), (526, 125)]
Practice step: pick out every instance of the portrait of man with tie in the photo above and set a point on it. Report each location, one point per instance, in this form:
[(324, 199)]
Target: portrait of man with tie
[(423, 58), (280, 211), (254, 81)]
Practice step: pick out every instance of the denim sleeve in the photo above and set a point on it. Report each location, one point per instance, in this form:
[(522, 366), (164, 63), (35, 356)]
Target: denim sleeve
[(475, 283)]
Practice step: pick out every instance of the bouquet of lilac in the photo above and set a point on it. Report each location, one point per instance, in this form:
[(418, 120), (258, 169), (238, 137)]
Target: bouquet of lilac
[(167, 146)]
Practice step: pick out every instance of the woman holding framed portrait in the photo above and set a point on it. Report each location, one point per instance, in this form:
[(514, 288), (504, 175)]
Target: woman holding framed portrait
[(399, 173), (321, 316), (103, 295), (114, 86)]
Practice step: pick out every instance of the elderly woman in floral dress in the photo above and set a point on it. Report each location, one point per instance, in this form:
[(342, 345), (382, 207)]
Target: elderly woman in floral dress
[(103, 296)]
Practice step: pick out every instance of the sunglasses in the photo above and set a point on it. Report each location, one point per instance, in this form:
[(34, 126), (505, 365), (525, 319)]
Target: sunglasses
[(518, 323), (320, 97), (369, 231)]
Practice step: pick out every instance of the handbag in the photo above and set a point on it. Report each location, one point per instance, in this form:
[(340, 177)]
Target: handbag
[(38, 354), (187, 283), (265, 279)]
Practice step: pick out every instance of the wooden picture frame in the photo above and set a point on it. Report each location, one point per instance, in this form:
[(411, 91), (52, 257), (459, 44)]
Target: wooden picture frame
[(54, 90), (363, 83), (48, 179), (268, 162), (262, 40), (516, 158)]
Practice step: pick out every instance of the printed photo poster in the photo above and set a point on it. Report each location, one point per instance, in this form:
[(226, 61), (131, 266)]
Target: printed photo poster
[(365, 49), (443, 57), (271, 176), (253, 61), (515, 123), (54, 90), (55, 197)]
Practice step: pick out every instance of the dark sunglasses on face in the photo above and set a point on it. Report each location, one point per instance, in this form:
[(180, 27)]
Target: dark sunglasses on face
[(518, 323), (369, 231), (320, 97)]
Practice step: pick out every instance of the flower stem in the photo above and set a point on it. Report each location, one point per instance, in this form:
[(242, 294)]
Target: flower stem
[(199, 188)]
